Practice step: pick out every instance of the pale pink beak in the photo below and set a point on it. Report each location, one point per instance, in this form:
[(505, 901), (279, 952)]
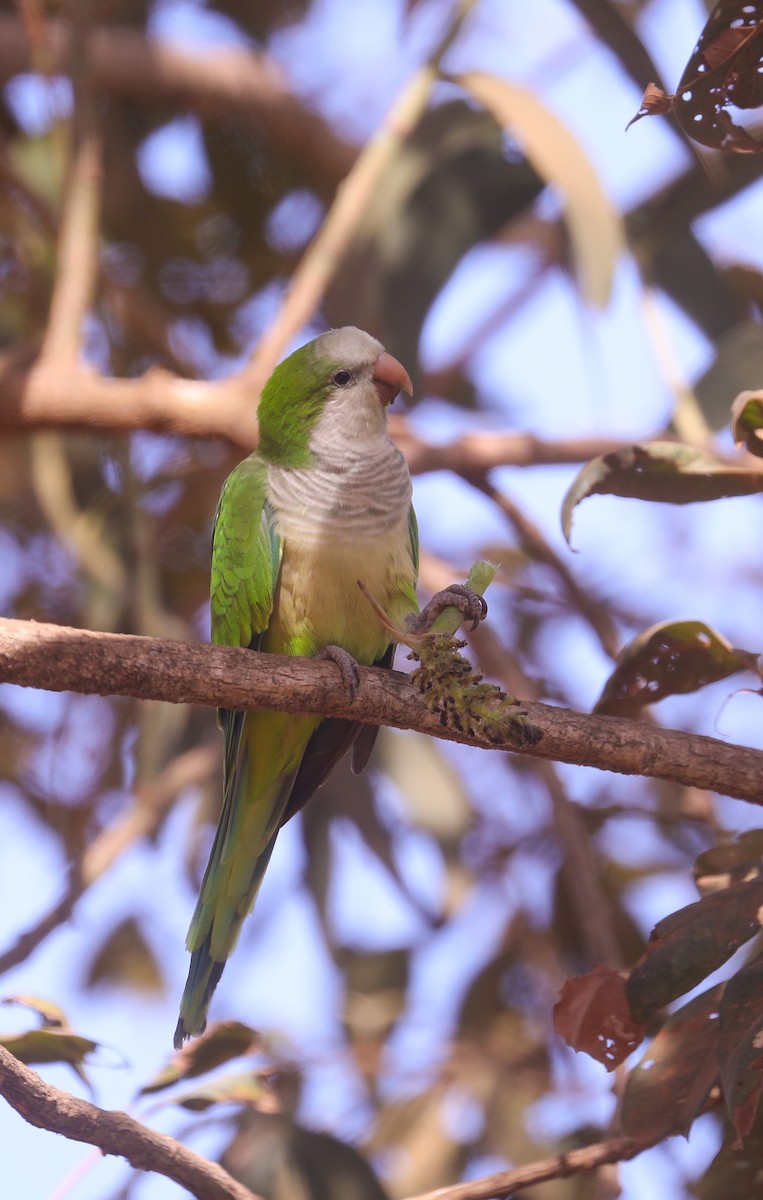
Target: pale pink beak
[(390, 377)]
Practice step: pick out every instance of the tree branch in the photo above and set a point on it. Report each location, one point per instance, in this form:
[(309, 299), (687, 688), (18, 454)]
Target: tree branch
[(60, 659), (117, 1133), (506, 1183), (217, 84)]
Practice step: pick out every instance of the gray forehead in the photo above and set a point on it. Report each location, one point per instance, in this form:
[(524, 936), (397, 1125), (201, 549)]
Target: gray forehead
[(349, 345)]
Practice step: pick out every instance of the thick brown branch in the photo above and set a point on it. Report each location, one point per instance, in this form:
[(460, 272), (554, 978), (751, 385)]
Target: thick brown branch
[(506, 1183), (45, 397), (61, 659), (48, 1107)]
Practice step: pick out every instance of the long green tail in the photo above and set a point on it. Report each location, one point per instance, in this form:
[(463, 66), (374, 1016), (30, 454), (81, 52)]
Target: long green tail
[(243, 844)]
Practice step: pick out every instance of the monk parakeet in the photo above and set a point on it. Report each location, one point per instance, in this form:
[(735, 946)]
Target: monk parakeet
[(325, 501)]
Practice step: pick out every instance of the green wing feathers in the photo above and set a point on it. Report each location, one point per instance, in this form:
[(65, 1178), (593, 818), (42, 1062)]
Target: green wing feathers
[(246, 556)]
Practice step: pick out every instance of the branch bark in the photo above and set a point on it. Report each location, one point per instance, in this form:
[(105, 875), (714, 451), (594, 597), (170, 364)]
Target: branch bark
[(61, 659), (113, 1132), (506, 1183)]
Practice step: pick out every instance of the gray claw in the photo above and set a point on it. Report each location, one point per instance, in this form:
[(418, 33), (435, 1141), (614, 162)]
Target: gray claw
[(471, 606), (348, 668)]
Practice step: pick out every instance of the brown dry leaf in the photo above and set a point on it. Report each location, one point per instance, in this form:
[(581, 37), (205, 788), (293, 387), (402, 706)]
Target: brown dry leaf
[(221, 1043), (594, 224), (667, 1089), (666, 472), (654, 102), (593, 1014), (736, 862), (125, 959), (724, 70), (669, 659), (692, 943), (740, 1046)]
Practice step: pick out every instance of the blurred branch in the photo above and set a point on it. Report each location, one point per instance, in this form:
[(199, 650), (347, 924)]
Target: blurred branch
[(77, 256), (475, 452), (63, 659), (150, 803), (48, 1107), (535, 545), (77, 397), (506, 1183), (75, 280), (215, 84), (616, 31), (330, 244)]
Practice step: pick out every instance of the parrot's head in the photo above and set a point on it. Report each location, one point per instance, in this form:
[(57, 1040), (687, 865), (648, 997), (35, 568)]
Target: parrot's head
[(336, 387)]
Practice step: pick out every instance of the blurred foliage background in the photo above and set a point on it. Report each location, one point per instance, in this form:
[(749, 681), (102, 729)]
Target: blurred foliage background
[(545, 277)]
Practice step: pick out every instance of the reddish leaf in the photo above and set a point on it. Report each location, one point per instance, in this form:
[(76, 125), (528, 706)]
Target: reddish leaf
[(740, 1046), (691, 944), (664, 471), (666, 660), (221, 1043), (669, 1086), (723, 70), (592, 1014), (654, 102)]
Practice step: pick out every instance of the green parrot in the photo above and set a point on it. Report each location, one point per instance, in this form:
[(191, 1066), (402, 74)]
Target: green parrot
[(324, 502)]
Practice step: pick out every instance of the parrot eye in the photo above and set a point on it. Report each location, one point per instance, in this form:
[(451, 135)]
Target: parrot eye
[(342, 378)]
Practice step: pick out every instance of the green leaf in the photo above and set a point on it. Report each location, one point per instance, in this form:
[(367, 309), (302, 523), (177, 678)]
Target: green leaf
[(231, 1089), (692, 943), (667, 1089), (669, 659), (50, 1014), (667, 472), (54, 1042), (593, 222), (747, 421), (221, 1043)]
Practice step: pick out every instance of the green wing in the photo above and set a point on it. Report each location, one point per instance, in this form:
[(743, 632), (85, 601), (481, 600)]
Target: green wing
[(246, 558)]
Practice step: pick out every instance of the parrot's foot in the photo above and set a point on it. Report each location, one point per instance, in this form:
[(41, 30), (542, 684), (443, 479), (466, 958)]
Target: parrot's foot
[(472, 607), (452, 688), (348, 668)]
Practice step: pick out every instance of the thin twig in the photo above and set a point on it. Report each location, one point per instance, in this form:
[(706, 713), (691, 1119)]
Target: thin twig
[(537, 547), (506, 1183)]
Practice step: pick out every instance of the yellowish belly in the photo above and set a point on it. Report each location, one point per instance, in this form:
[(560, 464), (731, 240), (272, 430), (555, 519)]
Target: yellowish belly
[(318, 601)]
